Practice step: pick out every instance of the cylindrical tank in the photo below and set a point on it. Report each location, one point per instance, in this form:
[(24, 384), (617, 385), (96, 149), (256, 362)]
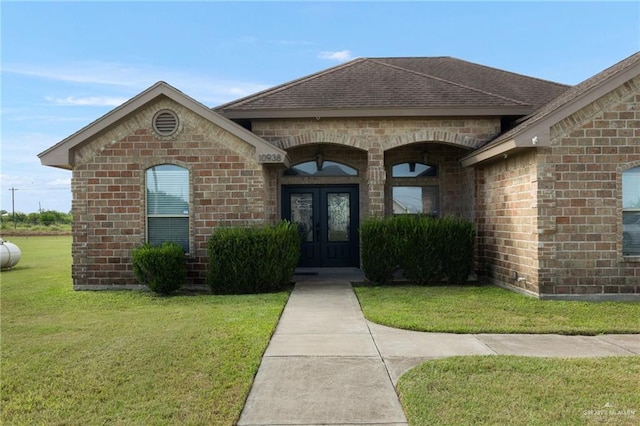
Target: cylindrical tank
[(9, 254)]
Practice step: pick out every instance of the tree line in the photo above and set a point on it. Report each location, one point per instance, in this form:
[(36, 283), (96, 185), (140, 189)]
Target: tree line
[(45, 217)]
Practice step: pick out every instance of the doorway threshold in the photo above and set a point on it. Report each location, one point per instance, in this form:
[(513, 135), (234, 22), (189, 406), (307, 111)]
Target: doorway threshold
[(350, 274)]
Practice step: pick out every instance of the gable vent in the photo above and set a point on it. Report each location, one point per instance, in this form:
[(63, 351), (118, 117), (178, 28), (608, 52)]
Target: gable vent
[(165, 123)]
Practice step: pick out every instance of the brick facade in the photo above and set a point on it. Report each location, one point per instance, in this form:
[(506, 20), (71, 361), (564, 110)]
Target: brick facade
[(228, 187), (549, 215), (550, 220)]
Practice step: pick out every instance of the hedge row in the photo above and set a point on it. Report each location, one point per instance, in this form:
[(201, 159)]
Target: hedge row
[(252, 260), (427, 249)]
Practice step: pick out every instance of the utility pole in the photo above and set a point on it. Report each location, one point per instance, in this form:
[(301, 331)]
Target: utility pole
[(13, 205)]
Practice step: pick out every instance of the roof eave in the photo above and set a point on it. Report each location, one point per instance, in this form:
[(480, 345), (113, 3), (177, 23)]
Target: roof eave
[(538, 134), (374, 112)]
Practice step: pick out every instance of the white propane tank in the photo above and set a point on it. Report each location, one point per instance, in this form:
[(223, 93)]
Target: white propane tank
[(9, 254)]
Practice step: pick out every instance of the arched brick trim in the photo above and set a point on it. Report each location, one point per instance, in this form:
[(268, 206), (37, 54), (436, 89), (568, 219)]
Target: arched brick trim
[(623, 167), (439, 136), (316, 137)]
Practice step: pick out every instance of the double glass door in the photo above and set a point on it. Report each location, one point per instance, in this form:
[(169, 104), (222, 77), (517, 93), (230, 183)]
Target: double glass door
[(327, 217)]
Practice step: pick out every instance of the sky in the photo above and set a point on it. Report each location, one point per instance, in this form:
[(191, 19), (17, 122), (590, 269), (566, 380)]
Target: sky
[(65, 64)]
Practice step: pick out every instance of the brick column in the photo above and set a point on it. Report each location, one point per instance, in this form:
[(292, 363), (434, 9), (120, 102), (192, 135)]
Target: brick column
[(376, 178)]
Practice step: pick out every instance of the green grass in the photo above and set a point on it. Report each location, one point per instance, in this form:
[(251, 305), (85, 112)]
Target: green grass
[(79, 358), (495, 390), (507, 389), (490, 309)]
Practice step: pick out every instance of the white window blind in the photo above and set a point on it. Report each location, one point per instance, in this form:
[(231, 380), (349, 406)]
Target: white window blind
[(168, 205)]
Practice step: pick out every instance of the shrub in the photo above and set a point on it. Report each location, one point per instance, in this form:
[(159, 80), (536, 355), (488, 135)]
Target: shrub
[(421, 250), (380, 245), (252, 260), (427, 249), (457, 253), (161, 268)]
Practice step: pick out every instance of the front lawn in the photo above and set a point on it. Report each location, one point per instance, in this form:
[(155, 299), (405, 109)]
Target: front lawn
[(507, 389), (497, 390), (123, 357), (490, 309)]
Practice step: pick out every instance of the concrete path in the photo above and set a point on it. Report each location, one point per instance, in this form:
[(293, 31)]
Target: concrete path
[(327, 365)]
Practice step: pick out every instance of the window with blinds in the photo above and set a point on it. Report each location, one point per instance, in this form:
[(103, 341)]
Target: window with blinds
[(631, 212), (168, 205)]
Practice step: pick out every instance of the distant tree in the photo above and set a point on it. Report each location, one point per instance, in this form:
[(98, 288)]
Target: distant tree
[(49, 217), (32, 218)]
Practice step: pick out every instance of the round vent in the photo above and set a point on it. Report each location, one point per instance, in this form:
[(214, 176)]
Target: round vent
[(165, 123)]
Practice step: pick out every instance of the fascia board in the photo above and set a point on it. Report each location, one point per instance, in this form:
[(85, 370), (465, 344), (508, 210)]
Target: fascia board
[(540, 131), (373, 112), (501, 149), (61, 154)]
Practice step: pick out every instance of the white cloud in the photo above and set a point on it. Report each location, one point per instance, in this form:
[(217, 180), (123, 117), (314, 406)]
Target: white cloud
[(129, 80), (103, 73), (60, 182), (340, 55), (88, 101)]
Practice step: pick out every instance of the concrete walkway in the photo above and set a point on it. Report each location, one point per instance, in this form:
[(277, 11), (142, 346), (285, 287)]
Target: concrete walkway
[(327, 365)]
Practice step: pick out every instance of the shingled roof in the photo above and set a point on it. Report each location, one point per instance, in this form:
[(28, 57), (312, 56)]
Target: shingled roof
[(400, 87), (537, 125)]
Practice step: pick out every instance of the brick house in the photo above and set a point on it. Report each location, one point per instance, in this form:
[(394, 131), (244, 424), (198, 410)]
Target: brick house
[(549, 173)]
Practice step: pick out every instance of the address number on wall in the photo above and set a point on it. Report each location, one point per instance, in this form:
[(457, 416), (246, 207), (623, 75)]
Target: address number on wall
[(269, 158)]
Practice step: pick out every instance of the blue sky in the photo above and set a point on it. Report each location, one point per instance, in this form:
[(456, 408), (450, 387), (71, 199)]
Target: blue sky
[(65, 64)]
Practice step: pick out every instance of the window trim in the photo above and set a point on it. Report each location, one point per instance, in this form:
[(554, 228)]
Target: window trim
[(631, 256), (188, 216)]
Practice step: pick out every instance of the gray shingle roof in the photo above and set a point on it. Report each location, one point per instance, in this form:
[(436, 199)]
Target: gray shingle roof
[(401, 83), (568, 96)]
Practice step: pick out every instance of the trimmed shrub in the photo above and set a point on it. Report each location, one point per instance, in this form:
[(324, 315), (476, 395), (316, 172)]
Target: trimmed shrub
[(457, 253), (421, 250), (252, 260), (161, 268), (427, 249), (379, 249)]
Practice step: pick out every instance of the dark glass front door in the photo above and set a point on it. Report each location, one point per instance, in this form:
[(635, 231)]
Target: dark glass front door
[(328, 221)]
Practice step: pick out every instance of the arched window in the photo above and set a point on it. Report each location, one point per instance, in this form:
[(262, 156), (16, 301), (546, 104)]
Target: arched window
[(414, 170), (321, 168), (168, 205), (414, 190), (631, 212)]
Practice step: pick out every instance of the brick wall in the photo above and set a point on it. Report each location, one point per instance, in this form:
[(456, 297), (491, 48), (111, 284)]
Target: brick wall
[(583, 191), (227, 187), (380, 143), (553, 216), (507, 221)]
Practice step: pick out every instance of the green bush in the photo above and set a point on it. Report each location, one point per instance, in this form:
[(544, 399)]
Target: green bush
[(427, 249), (252, 260), (457, 253), (421, 250), (379, 249), (161, 268)]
